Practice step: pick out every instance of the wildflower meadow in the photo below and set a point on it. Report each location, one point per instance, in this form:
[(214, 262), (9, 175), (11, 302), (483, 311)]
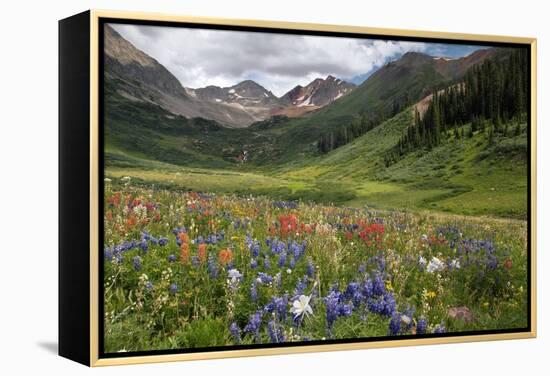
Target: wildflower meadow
[(187, 269)]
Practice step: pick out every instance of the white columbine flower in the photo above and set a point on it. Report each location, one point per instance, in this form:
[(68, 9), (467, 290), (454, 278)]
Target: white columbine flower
[(301, 306), (422, 261), (435, 265), (234, 275), (455, 264)]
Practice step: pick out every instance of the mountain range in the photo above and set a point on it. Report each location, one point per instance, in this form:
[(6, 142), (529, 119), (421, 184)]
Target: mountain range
[(140, 77), (145, 97)]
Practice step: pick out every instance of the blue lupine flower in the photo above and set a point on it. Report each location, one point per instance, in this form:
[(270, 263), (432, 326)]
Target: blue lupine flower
[(282, 260), (389, 304), (253, 264), (280, 306), (357, 299), (292, 263), (276, 332), (143, 245), (148, 285), (439, 329), (277, 246), (264, 278), (172, 258), (163, 241), (395, 324), (367, 289), (235, 332), (492, 262), (254, 292), (421, 326), (345, 310), (137, 263), (254, 323), (285, 204), (295, 249), (407, 318), (384, 305), (378, 288), (301, 286), (267, 264), (310, 268), (253, 246), (332, 306), (173, 288), (351, 290)]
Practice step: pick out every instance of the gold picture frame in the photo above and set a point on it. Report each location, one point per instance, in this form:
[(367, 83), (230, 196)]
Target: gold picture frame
[(89, 31)]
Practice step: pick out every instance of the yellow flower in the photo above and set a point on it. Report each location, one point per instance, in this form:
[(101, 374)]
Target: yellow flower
[(486, 304), (389, 287), (431, 294)]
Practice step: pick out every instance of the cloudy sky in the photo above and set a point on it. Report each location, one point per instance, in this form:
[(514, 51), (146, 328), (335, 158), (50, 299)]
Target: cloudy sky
[(199, 57)]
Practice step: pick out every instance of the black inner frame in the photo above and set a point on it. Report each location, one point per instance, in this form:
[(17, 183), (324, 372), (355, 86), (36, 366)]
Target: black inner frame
[(101, 172)]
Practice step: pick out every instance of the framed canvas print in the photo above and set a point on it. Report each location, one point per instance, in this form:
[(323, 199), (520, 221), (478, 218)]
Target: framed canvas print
[(236, 187)]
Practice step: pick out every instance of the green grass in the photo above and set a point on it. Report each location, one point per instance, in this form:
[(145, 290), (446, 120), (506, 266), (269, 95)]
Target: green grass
[(465, 176), (199, 312)]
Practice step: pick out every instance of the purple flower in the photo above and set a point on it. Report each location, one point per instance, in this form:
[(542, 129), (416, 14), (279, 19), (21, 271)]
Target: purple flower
[(143, 245), (395, 324), (332, 305), (310, 268), (280, 306), (282, 260), (163, 241), (421, 326), (301, 286), (378, 288), (368, 288), (351, 290), (276, 332), (264, 278), (235, 332), (439, 329), (172, 258), (137, 263), (254, 323), (345, 310), (173, 288)]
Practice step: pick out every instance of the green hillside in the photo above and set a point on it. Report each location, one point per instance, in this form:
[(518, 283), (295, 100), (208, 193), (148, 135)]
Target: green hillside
[(465, 176)]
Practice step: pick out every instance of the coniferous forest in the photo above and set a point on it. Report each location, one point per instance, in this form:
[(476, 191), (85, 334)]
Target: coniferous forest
[(492, 93)]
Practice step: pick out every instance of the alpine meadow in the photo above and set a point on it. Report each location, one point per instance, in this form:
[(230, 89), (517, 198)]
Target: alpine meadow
[(273, 188)]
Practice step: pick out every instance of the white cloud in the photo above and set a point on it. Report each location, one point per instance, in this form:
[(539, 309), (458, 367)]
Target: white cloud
[(199, 57)]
